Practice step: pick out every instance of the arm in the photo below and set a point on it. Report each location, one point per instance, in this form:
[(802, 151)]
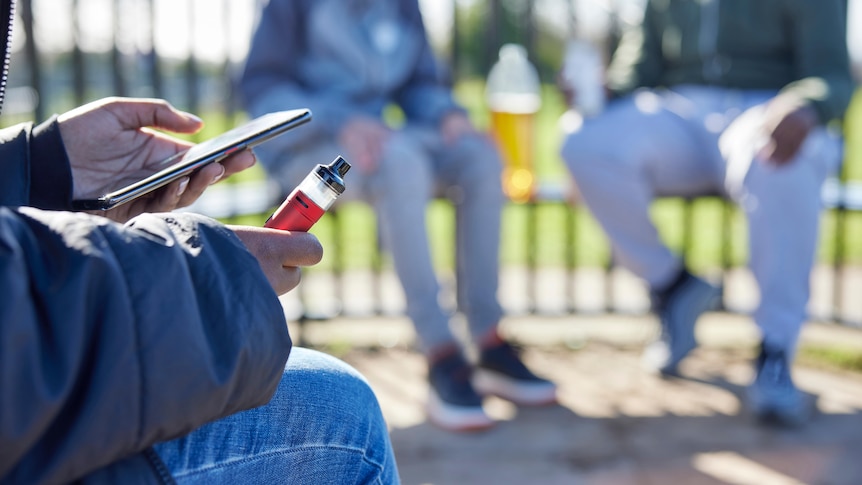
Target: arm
[(268, 80), (29, 150), (424, 97), (115, 337), (77, 154), (824, 86)]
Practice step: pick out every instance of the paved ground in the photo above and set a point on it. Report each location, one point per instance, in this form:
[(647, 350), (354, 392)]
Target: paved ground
[(616, 424)]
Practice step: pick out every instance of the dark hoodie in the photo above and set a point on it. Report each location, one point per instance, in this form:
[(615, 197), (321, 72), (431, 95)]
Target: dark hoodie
[(116, 337)]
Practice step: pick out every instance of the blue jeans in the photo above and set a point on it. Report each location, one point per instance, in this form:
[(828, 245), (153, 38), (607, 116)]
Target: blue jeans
[(323, 425)]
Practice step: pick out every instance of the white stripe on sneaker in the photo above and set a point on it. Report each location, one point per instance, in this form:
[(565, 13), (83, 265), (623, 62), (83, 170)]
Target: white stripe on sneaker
[(524, 393)]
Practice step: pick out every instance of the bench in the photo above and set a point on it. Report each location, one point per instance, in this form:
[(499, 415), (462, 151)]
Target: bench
[(258, 197)]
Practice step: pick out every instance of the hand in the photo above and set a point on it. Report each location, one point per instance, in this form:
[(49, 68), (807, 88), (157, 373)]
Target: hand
[(454, 126), (788, 122), (111, 140), (363, 139), (280, 253)]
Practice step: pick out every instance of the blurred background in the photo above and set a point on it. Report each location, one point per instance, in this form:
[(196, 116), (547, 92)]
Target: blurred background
[(69, 52)]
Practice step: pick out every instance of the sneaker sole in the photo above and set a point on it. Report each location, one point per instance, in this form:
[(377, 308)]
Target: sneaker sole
[(491, 383), (456, 418), (772, 413)]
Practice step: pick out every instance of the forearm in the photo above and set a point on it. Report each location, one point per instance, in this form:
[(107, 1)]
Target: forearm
[(116, 338)]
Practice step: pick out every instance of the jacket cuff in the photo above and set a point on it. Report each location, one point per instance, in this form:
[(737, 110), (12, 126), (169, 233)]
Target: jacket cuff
[(50, 169)]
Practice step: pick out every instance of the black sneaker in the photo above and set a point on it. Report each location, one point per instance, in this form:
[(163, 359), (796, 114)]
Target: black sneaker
[(501, 373), (772, 397), (453, 403), (678, 309)]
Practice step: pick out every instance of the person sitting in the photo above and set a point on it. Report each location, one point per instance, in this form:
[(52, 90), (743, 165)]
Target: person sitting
[(734, 97), (347, 62)]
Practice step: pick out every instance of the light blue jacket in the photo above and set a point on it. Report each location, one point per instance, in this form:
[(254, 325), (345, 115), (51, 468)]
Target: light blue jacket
[(343, 58)]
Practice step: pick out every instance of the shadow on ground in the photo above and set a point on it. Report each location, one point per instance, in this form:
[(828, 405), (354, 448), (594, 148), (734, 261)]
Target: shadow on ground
[(616, 424)]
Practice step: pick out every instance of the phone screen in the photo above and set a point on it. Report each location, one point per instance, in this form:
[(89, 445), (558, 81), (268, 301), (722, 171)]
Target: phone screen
[(185, 163)]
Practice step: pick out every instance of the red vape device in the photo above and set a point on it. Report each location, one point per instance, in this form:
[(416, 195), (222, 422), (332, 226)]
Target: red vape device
[(311, 198)]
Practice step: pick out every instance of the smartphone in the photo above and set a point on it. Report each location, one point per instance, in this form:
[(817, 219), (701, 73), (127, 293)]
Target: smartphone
[(185, 163)]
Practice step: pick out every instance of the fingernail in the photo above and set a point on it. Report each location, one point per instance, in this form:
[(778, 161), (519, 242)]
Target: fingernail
[(193, 117), (219, 176), (184, 183)]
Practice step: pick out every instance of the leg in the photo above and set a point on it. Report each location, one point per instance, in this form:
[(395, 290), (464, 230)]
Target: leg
[(472, 166), (620, 160), (400, 191), (323, 425), (640, 147), (783, 207)]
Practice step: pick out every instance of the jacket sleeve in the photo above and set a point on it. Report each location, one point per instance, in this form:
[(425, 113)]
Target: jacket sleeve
[(267, 81), (425, 97), (113, 338), (819, 30), (26, 150)]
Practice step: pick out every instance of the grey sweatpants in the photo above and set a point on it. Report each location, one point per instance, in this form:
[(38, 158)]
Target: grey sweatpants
[(416, 166), (696, 140)]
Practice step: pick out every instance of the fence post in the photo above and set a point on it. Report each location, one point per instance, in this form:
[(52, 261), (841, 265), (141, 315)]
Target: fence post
[(117, 72), (32, 55)]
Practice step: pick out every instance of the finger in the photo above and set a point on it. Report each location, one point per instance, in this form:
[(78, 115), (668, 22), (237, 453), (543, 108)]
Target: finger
[(199, 181), (298, 248), (169, 198), (284, 279), (157, 113), (165, 199), (286, 248), (238, 162)]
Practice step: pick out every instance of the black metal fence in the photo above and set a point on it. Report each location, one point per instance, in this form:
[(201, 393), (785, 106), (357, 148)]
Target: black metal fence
[(65, 56)]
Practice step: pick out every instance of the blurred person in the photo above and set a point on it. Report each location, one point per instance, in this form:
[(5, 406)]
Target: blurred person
[(348, 61), (156, 351), (724, 96)]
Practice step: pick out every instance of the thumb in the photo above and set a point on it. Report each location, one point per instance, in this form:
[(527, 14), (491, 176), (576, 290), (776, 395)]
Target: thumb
[(136, 113)]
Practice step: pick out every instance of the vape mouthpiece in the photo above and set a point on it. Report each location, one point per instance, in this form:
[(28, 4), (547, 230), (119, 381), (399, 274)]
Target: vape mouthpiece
[(340, 166), (331, 174)]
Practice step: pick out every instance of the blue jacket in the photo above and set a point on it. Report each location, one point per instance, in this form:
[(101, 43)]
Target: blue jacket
[(342, 58), (116, 337)]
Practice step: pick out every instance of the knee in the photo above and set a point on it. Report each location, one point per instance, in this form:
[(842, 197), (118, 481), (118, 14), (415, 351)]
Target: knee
[(403, 170), (596, 145), (479, 156), (479, 168), (580, 152), (333, 389)]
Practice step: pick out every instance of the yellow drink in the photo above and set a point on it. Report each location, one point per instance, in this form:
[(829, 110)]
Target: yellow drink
[(515, 137)]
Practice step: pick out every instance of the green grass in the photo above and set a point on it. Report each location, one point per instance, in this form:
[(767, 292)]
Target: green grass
[(831, 357)]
